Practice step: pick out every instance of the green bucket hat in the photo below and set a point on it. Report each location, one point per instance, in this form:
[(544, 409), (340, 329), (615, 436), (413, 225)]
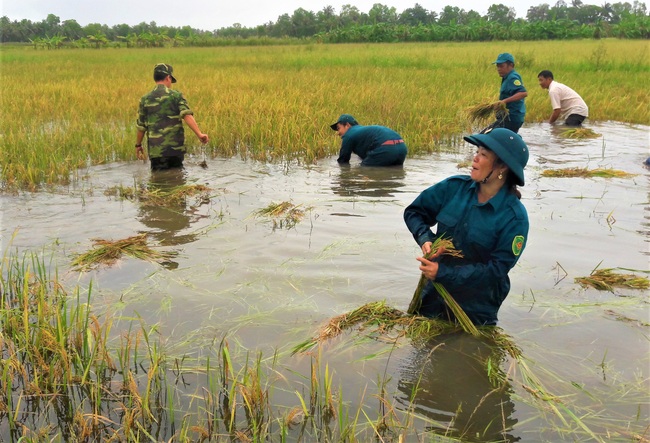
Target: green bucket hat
[(166, 69), (508, 146), (344, 118)]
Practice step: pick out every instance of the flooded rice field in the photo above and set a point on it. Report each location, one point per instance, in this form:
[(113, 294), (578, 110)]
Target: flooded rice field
[(266, 286)]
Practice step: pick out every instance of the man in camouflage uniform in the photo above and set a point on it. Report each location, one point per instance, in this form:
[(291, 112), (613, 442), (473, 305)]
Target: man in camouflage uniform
[(160, 115)]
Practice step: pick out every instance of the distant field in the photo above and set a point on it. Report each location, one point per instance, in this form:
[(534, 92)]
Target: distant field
[(63, 109)]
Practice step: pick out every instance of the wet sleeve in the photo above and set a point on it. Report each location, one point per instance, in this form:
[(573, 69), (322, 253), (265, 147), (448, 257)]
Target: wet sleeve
[(346, 151), (422, 214)]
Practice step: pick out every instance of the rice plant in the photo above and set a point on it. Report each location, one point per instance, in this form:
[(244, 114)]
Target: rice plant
[(107, 252), (585, 173)]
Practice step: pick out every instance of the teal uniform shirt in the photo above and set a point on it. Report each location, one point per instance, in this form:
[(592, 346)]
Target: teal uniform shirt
[(510, 85), (160, 115), (364, 140), (490, 235)]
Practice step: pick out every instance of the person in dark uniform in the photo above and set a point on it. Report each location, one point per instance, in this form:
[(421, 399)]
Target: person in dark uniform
[(512, 94), (376, 145), (483, 216)]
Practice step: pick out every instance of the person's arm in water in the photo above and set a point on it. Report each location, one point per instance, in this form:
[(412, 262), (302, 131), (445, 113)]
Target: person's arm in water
[(345, 153), (555, 115), (191, 122)]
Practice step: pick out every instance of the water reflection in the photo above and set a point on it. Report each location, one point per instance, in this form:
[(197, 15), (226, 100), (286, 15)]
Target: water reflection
[(368, 181), (169, 219), (447, 381)]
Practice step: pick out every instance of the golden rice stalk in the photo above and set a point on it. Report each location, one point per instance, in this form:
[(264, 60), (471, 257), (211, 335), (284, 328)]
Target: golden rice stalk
[(159, 197), (283, 214), (376, 318), (485, 111), (108, 252), (584, 172), (579, 133), (606, 280), (173, 196), (416, 301)]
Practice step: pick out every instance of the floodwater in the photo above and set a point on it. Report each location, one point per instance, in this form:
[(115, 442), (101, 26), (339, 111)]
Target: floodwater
[(267, 288)]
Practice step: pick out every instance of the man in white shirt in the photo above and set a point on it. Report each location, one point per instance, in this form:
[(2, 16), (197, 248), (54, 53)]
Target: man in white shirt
[(566, 102)]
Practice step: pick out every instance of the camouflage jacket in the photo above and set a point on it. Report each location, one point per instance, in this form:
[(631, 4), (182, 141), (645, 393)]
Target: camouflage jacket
[(160, 116)]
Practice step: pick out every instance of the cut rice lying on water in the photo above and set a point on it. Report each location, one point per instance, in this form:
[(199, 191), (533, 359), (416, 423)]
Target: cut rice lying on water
[(584, 172), (607, 279), (108, 252), (579, 133)]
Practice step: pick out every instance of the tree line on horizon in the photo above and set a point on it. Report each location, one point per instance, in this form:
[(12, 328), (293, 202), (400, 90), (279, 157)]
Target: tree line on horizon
[(380, 24)]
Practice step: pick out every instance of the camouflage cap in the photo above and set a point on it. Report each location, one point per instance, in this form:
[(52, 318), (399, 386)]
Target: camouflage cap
[(166, 69)]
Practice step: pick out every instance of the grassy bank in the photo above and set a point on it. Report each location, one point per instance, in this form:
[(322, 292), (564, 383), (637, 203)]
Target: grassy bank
[(65, 109)]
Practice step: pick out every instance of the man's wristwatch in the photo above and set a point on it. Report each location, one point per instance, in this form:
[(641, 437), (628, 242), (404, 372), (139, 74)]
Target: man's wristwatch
[(139, 145)]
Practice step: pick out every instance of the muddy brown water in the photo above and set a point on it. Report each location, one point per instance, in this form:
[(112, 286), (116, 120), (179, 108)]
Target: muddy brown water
[(267, 288)]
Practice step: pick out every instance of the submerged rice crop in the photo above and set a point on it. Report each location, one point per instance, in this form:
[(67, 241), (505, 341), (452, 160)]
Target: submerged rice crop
[(380, 321)]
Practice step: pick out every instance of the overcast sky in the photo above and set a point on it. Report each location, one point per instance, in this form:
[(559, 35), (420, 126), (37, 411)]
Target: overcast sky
[(209, 15)]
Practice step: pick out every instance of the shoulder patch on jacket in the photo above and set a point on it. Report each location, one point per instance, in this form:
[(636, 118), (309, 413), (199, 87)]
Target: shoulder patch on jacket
[(517, 244), (517, 82)]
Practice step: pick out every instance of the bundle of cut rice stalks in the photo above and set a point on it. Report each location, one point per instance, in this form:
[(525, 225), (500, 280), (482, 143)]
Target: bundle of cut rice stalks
[(579, 133), (416, 302), (484, 112), (108, 252)]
